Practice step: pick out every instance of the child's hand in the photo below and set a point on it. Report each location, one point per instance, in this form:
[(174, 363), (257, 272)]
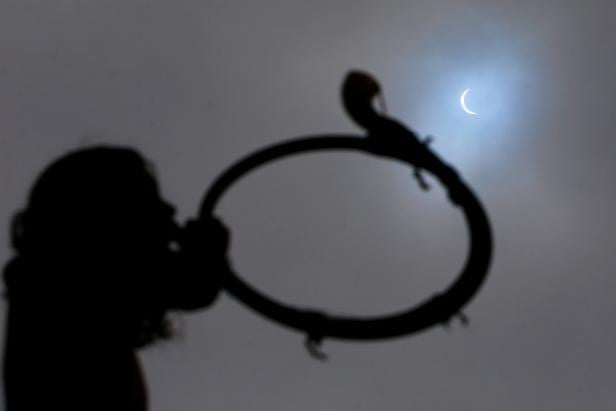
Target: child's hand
[(203, 263), (207, 239)]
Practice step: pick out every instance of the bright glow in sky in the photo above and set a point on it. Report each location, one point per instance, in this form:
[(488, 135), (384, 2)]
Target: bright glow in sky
[(469, 141)]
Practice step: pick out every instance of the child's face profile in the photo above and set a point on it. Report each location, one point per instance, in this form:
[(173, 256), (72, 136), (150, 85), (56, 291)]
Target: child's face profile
[(153, 217)]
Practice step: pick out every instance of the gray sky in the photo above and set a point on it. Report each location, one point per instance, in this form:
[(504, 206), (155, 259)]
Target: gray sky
[(196, 84)]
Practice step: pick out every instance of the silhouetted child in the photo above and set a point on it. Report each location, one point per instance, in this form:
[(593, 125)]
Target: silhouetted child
[(99, 263)]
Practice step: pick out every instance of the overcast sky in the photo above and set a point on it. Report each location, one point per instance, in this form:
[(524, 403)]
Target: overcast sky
[(194, 85)]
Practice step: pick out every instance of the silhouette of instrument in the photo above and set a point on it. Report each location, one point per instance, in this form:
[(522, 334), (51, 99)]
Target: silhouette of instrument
[(389, 139)]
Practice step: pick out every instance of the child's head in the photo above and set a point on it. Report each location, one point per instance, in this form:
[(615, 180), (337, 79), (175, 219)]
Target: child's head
[(101, 200), (94, 239)]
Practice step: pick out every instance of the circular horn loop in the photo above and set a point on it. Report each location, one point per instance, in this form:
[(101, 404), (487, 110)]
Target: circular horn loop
[(388, 139)]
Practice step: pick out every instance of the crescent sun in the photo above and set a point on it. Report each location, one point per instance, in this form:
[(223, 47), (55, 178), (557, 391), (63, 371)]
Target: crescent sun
[(463, 103)]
